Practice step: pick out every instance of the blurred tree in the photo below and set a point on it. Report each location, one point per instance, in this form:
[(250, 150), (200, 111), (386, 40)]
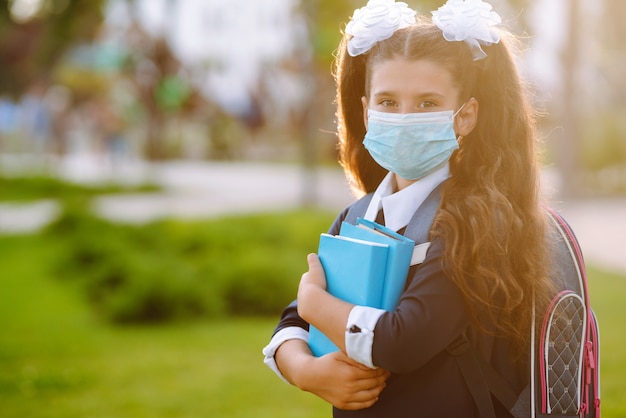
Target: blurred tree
[(613, 53), (162, 84), (34, 35), (328, 18), (602, 102), (155, 72), (569, 144)]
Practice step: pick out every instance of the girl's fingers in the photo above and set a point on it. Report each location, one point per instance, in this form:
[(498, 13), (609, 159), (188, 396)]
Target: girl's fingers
[(315, 275), (364, 398)]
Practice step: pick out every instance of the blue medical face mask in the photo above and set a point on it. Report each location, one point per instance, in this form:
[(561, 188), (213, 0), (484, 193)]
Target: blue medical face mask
[(411, 145)]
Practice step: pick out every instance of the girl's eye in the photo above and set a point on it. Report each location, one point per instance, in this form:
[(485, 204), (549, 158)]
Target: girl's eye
[(387, 103), (427, 103)]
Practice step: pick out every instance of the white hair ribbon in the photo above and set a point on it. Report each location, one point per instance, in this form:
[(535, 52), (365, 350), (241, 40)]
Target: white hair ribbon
[(471, 21), (375, 22)]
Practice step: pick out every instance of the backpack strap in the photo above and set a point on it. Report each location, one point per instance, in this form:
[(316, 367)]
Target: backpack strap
[(481, 378), (473, 375), (418, 228), (358, 209)]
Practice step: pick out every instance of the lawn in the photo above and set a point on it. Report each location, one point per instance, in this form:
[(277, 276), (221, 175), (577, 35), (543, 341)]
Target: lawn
[(57, 359), (36, 187)]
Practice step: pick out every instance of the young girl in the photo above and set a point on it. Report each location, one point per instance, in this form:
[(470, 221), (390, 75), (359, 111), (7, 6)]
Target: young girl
[(426, 104)]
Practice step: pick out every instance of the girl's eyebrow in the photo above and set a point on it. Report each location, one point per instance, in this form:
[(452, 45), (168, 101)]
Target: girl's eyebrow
[(382, 93), (419, 96)]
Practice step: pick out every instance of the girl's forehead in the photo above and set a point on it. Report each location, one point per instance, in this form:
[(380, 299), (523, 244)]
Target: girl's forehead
[(415, 75)]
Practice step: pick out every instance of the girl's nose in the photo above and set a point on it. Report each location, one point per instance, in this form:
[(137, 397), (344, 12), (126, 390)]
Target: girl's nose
[(407, 108)]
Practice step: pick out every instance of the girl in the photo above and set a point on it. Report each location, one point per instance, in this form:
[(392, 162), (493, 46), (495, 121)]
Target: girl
[(425, 104)]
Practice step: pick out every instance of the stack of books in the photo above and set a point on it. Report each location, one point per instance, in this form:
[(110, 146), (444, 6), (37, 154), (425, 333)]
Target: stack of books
[(366, 264)]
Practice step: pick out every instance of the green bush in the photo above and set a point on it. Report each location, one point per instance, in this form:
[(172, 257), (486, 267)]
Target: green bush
[(175, 270), (34, 187)]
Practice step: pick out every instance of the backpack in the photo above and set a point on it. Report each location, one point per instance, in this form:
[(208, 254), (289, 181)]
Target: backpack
[(564, 345)]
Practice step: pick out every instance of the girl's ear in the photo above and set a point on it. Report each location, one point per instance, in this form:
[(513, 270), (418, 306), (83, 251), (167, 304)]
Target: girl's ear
[(466, 120), (364, 103)]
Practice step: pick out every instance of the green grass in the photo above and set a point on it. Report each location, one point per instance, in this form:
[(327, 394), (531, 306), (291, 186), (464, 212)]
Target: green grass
[(607, 293), (36, 187), (58, 360)]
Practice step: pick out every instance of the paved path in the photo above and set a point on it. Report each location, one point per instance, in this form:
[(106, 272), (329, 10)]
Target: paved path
[(190, 190), (201, 189), (600, 226)]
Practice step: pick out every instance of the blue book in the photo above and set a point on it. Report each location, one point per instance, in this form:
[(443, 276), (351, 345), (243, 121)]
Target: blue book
[(367, 264), (354, 270), (398, 257)]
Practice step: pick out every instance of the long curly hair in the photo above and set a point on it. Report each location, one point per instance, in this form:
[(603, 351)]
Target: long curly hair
[(490, 216)]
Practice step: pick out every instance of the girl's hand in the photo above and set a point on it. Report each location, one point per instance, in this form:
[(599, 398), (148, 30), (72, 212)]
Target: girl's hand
[(315, 276), (318, 307), (342, 382), (312, 286)]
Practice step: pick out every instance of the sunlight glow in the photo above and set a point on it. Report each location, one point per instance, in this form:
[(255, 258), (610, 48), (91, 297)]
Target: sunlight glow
[(24, 10)]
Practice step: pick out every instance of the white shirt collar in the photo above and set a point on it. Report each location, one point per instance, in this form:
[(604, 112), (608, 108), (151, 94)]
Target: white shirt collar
[(399, 207)]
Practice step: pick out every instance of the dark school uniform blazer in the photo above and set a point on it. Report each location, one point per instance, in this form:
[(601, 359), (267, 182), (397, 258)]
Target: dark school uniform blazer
[(411, 343)]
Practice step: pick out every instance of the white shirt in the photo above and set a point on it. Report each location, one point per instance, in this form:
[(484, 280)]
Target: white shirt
[(398, 207)]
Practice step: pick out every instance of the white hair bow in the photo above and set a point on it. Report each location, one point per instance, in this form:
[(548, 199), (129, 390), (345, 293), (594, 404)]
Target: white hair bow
[(471, 21), (375, 22)]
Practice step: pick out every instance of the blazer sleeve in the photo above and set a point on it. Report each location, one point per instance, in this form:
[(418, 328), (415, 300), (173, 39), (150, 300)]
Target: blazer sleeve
[(430, 315)]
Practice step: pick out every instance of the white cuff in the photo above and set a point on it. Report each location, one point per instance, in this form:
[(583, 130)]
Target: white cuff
[(289, 333), (360, 333)]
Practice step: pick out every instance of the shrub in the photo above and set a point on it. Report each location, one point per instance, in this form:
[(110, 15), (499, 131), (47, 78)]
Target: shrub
[(175, 270), (35, 186)]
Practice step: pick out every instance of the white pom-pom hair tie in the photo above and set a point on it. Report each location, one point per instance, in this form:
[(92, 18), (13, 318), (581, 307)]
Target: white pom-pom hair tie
[(470, 21), (375, 22)]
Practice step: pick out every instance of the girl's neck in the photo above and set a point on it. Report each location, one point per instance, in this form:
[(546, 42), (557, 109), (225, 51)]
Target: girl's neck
[(401, 183)]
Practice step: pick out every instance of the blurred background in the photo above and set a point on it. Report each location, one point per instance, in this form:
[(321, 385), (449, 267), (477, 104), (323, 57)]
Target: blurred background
[(166, 164), (123, 81)]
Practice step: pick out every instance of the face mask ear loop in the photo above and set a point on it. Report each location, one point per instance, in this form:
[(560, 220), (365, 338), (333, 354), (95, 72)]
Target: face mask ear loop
[(458, 138), (460, 108)]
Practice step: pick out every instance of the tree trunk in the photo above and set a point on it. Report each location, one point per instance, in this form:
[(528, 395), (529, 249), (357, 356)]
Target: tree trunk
[(569, 144)]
